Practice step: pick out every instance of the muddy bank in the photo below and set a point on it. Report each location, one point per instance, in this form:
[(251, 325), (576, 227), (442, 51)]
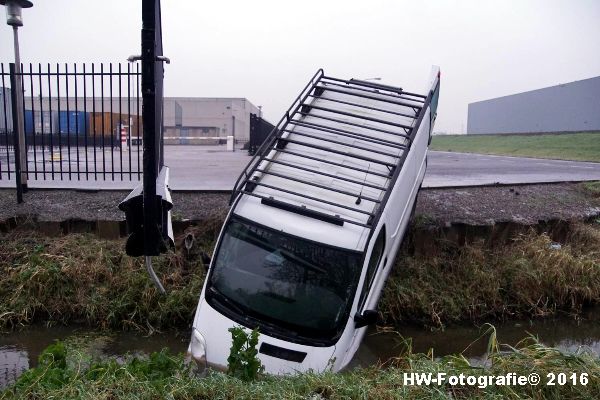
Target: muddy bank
[(471, 255), (80, 278)]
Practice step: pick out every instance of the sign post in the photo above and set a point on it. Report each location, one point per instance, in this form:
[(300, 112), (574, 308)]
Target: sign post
[(147, 208)]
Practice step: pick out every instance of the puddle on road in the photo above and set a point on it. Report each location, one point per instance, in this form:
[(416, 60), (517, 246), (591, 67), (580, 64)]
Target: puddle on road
[(20, 350)]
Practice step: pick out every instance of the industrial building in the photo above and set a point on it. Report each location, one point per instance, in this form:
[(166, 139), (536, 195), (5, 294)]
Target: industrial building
[(5, 110), (203, 120), (187, 120), (569, 107)]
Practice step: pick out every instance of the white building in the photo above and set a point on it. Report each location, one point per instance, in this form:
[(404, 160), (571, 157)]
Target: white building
[(568, 107)]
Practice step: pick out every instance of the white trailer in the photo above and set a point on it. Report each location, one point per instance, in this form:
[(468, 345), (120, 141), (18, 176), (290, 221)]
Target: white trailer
[(315, 223)]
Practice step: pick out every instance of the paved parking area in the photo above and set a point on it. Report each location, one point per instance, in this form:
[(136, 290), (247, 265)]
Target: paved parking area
[(212, 168)]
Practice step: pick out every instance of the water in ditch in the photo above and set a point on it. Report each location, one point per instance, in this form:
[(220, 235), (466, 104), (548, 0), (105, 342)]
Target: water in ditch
[(19, 350)]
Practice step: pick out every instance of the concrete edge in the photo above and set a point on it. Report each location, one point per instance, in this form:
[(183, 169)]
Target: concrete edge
[(228, 191)]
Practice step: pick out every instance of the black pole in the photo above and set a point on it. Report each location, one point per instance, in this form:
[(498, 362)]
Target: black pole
[(149, 100), (16, 139), (158, 81)]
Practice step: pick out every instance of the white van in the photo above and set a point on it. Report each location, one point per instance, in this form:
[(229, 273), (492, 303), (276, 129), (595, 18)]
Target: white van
[(316, 220)]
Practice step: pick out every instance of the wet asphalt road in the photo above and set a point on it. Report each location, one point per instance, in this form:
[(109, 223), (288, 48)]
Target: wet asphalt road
[(211, 168), (464, 169)]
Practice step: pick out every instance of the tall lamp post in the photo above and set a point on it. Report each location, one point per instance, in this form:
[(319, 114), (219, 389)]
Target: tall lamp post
[(14, 19)]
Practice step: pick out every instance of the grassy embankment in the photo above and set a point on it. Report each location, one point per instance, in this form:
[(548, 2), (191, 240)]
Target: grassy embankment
[(68, 373), (83, 279), (592, 187), (571, 146)]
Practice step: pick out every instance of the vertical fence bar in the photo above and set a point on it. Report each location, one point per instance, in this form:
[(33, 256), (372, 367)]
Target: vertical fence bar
[(77, 127), (129, 120), (52, 120), (112, 124), (15, 115), (4, 103), (68, 118), (137, 96), (86, 129), (121, 123), (94, 128), (102, 111), (59, 119), (33, 130), (42, 122)]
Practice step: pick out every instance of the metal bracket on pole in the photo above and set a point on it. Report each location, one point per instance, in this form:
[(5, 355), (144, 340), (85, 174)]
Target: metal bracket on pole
[(158, 58)]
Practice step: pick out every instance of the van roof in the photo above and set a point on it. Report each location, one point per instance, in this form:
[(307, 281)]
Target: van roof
[(327, 169)]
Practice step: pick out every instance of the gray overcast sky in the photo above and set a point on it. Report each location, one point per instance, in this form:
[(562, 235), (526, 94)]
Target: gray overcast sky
[(267, 50)]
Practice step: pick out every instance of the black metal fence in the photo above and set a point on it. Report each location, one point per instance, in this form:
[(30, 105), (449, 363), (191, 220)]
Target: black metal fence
[(81, 122), (259, 130)]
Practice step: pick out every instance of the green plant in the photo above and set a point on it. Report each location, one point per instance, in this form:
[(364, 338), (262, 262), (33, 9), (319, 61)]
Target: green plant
[(243, 362), (166, 375), (592, 187), (52, 369)]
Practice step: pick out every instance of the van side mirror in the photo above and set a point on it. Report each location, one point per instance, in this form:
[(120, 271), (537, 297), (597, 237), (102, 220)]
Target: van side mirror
[(368, 317)]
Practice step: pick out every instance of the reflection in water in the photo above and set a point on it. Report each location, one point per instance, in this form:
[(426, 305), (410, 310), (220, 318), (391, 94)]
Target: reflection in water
[(565, 334), (20, 350), (13, 362)]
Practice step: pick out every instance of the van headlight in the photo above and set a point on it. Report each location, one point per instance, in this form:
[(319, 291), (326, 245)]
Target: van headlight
[(197, 349)]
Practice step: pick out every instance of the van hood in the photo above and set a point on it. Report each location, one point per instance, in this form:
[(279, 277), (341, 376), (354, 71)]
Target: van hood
[(277, 356)]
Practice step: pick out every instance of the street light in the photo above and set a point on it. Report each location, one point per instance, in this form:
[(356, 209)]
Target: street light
[(14, 19), (13, 11)]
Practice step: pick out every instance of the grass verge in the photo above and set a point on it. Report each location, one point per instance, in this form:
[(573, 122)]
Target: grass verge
[(530, 277), (62, 375), (83, 279), (583, 146), (592, 187)]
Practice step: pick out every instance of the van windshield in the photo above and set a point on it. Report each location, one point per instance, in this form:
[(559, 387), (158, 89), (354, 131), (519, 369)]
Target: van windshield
[(283, 280)]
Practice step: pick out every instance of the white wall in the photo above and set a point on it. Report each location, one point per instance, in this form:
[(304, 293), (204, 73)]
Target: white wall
[(220, 113)]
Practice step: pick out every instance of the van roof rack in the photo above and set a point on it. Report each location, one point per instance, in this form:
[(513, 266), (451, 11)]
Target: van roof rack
[(329, 121)]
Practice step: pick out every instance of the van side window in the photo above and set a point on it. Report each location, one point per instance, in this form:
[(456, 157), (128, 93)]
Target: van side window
[(374, 262)]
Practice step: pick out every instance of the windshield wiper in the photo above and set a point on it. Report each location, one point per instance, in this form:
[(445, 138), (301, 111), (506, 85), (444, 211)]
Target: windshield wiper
[(224, 301), (286, 332), (221, 298)]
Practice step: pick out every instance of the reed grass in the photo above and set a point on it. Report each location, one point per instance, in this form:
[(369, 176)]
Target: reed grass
[(82, 279), (529, 277)]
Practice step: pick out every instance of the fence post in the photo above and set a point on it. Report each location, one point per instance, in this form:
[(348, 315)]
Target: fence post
[(16, 117), (252, 134)]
